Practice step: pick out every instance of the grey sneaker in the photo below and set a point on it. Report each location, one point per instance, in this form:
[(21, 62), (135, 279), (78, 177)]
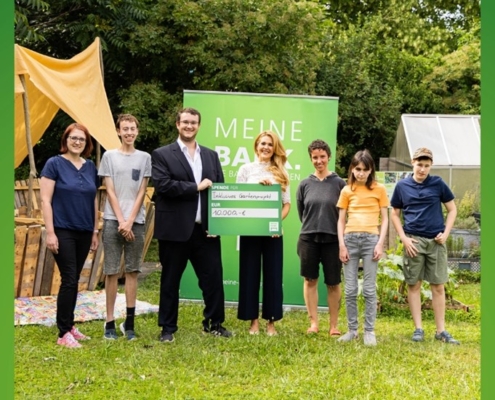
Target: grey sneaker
[(446, 337), (128, 334), (349, 336), (418, 335), (369, 339), (166, 337), (110, 334)]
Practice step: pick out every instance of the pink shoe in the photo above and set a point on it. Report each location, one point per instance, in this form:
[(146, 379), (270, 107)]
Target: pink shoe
[(68, 341), (78, 335)]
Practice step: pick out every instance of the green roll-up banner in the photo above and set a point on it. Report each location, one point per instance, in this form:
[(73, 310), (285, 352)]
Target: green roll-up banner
[(229, 124)]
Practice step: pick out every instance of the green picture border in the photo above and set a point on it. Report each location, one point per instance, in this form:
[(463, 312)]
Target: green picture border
[(6, 210), (488, 144), (7, 162)]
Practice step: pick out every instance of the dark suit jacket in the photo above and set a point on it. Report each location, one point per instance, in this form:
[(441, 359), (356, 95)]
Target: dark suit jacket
[(177, 193)]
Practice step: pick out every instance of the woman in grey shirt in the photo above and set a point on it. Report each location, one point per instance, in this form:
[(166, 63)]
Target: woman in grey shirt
[(317, 197)]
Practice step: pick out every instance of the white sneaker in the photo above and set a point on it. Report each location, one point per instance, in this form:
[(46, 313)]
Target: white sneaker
[(369, 339), (349, 336)]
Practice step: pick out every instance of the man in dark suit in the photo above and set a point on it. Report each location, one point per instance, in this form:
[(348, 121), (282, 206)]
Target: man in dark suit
[(182, 172)]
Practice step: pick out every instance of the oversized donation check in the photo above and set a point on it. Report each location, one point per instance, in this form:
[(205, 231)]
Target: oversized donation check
[(248, 209)]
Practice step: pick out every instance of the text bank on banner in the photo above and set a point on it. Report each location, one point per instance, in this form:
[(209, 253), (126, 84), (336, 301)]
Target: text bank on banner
[(247, 209)]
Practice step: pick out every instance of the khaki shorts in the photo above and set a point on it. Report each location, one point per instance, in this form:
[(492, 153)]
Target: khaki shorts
[(430, 264)]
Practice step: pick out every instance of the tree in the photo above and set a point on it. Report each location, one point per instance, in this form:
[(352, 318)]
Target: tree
[(457, 79), (434, 22), (78, 23), (158, 48), (381, 58), (385, 58), (64, 28), (376, 82), (261, 46), (24, 10)]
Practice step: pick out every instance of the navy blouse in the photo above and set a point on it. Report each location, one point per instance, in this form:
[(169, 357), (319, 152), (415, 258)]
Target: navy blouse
[(73, 201)]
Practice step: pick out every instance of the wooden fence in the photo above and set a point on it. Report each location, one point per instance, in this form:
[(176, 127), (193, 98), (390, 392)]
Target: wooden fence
[(36, 273)]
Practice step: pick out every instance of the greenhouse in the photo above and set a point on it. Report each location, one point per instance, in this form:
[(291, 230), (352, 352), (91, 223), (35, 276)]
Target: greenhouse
[(455, 141)]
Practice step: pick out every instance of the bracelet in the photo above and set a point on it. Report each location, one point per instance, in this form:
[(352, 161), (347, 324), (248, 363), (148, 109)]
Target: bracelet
[(96, 231)]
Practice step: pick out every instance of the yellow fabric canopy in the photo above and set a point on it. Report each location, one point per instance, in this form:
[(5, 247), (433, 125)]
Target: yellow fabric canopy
[(75, 86)]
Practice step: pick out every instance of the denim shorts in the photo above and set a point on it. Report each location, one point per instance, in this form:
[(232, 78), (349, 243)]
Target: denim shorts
[(116, 248), (430, 264)]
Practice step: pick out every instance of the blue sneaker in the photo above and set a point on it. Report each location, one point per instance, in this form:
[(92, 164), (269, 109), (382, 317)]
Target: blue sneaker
[(128, 334), (446, 337), (109, 334), (418, 335)]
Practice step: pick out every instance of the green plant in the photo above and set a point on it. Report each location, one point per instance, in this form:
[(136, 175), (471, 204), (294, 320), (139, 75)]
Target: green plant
[(451, 286), (390, 279), (474, 250), (468, 204), (455, 246), (465, 276), (466, 223), (391, 287)]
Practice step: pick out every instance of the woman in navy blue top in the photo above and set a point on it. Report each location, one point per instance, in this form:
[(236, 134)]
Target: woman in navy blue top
[(69, 183)]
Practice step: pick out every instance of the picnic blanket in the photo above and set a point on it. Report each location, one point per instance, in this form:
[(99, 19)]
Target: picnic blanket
[(41, 310)]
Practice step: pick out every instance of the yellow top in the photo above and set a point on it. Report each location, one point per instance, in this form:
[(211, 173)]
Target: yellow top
[(363, 207)]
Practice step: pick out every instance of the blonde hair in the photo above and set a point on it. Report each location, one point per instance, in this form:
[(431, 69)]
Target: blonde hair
[(278, 160)]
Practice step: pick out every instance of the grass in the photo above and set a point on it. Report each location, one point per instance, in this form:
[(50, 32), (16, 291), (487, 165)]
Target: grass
[(152, 253), (291, 365)]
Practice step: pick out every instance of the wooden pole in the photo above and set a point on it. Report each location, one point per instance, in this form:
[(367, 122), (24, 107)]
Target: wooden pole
[(98, 146), (32, 166)]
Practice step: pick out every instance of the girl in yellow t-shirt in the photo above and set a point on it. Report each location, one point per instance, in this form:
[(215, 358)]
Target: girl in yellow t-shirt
[(361, 236)]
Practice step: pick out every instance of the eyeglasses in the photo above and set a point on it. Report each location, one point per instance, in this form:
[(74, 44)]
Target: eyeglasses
[(77, 139), (192, 123)]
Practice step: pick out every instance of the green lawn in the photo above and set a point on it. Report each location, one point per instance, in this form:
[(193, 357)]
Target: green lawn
[(291, 365)]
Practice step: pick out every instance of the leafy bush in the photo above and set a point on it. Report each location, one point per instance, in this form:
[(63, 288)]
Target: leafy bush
[(464, 276), (474, 250), (469, 223), (468, 204)]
